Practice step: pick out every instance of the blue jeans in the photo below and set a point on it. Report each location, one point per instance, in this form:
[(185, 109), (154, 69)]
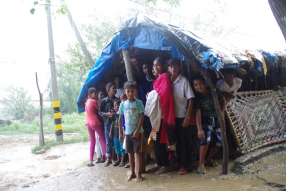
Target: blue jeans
[(108, 140)]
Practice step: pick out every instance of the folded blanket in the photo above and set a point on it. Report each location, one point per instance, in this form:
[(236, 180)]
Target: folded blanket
[(153, 110)]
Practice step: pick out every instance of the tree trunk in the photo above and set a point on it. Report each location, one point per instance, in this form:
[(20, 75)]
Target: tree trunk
[(79, 38), (278, 8)]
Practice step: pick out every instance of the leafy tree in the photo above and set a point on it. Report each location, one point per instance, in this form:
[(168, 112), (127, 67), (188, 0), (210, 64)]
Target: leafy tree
[(61, 10), (17, 103), (72, 69), (99, 32)]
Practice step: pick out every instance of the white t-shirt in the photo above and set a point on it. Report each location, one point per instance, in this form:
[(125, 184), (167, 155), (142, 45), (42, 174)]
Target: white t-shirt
[(182, 91), (224, 87), (119, 92)]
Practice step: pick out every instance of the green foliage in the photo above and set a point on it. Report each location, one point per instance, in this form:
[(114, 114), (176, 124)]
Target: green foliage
[(72, 123), (17, 127), (210, 23), (61, 10), (17, 103), (71, 71), (99, 32), (32, 11)]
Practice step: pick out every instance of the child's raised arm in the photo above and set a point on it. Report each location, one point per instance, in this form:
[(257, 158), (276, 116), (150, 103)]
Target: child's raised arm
[(201, 134)]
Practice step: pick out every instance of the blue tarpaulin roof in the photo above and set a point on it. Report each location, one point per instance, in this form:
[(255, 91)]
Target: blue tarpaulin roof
[(146, 33)]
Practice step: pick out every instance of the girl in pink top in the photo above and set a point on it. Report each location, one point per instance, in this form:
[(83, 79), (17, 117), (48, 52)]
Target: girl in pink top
[(93, 123)]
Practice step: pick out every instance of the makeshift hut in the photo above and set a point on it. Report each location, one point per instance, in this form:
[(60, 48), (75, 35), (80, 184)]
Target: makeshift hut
[(256, 117)]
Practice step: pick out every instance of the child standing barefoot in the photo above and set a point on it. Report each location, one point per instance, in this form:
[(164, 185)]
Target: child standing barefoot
[(133, 111)]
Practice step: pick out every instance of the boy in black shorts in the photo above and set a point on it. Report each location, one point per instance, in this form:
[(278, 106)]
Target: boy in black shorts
[(133, 111)]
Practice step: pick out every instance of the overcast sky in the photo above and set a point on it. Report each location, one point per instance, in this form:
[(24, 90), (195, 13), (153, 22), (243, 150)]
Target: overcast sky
[(24, 40)]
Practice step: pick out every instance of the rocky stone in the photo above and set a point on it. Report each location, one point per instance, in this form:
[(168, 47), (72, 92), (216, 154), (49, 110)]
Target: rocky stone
[(241, 163)]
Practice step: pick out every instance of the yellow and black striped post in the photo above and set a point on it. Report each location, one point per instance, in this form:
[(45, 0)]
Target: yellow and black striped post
[(56, 103), (58, 121)]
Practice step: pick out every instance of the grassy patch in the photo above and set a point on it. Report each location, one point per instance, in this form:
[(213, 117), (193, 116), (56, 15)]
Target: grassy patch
[(72, 123), (51, 143)]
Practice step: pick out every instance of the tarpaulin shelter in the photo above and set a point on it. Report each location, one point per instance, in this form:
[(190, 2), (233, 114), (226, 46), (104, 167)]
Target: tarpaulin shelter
[(155, 38), (147, 33)]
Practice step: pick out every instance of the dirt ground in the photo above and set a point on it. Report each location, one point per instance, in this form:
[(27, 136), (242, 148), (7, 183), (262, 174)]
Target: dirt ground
[(63, 167), (20, 168)]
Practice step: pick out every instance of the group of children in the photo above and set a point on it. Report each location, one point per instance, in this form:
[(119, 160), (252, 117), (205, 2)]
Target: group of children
[(169, 113)]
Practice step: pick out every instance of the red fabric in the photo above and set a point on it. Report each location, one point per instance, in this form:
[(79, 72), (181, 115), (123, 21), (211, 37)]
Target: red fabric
[(163, 136), (91, 111), (163, 87)]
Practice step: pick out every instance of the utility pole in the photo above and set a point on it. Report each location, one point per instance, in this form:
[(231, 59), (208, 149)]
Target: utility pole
[(56, 102)]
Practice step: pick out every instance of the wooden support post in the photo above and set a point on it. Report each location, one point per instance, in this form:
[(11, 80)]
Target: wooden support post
[(128, 66), (130, 77), (41, 131)]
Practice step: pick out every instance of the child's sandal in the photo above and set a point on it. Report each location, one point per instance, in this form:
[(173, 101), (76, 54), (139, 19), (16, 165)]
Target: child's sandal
[(121, 164), (116, 163), (202, 170)]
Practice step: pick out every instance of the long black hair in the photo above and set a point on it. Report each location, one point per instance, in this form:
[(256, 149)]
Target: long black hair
[(91, 91)]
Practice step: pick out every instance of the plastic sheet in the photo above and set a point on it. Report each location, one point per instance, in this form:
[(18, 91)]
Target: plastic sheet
[(148, 33)]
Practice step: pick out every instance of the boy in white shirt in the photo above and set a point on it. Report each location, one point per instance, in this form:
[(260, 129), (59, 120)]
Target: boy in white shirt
[(183, 101)]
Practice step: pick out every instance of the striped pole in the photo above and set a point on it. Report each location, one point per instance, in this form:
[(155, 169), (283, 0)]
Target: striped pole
[(56, 103), (58, 121)]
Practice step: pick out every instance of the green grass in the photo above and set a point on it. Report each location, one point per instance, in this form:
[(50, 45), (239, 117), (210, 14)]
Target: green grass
[(51, 143), (72, 123)]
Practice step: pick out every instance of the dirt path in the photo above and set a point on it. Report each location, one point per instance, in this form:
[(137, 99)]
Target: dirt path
[(20, 168), (62, 168)]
